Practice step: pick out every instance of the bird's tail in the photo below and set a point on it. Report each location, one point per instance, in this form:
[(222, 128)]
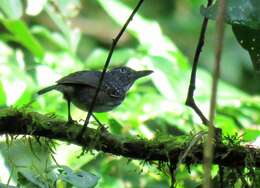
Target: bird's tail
[(47, 89)]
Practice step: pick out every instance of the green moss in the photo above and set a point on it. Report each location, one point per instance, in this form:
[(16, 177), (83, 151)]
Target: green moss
[(7, 112), (170, 142)]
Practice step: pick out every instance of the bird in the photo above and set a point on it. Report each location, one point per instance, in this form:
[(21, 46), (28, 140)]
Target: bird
[(79, 88)]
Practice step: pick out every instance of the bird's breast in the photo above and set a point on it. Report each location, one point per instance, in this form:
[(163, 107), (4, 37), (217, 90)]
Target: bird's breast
[(82, 98)]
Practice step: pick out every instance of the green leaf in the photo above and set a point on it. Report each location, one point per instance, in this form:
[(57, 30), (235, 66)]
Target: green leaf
[(68, 8), (58, 20), (50, 39), (249, 39), (29, 180), (98, 57), (80, 179), (164, 68), (148, 33), (72, 36), (115, 126), (13, 9), (5, 186), (240, 12), (22, 34), (24, 99), (251, 134), (28, 168), (244, 16), (2, 95)]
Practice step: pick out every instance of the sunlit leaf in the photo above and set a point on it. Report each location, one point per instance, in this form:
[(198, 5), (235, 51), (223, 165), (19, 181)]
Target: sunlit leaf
[(115, 126), (54, 39), (251, 134), (72, 35), (21, 34), (68, 8), (14, 89), (98, 57), (24, 99), (35, 7), (12, 9), (2, 95), (144, 30)]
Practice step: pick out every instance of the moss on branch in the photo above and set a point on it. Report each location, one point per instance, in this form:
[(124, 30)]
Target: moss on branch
[(22, 122)]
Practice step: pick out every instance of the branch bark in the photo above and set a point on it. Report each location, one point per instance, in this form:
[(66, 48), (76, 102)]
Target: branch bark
[(22, 122)]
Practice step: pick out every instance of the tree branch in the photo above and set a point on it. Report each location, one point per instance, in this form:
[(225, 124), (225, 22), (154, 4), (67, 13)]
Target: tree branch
[(21, 122), (190, 97)]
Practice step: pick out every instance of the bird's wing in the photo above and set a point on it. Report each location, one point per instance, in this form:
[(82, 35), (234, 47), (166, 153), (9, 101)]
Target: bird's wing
[(89, 78)]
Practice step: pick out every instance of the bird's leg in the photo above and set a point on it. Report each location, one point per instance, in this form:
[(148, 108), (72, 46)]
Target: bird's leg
[(70, 120)]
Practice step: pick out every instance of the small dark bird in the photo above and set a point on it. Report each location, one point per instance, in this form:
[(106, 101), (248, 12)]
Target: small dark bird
[(80, 87)]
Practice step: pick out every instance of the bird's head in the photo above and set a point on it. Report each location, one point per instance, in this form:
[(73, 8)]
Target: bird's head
[(126, 76)]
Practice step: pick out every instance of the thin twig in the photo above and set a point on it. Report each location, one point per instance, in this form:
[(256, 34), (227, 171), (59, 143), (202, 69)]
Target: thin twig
[(190, 97), (114, 43), (198, 137), (221, 176), (209, 149), (242, 178), (10, 176)]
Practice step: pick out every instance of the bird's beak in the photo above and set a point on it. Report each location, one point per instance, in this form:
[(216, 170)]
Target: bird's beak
[(140, 74)]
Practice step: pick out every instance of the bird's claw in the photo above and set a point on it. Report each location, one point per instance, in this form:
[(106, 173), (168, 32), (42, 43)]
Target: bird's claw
[(71, 122), (103, 128)]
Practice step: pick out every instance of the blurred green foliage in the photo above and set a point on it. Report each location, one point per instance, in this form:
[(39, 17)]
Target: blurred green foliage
[(41, 42)]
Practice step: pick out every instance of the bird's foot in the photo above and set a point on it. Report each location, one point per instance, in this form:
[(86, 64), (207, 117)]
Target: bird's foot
[(71, 122), (102, 128)]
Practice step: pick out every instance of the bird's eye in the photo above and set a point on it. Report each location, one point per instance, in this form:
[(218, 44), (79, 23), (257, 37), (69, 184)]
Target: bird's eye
[(123, 70)]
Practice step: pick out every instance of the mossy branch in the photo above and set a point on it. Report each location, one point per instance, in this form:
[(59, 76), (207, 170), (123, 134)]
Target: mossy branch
[(21, 122)]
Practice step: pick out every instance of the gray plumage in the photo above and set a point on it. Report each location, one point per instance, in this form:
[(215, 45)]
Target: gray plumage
[(80, 87)]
